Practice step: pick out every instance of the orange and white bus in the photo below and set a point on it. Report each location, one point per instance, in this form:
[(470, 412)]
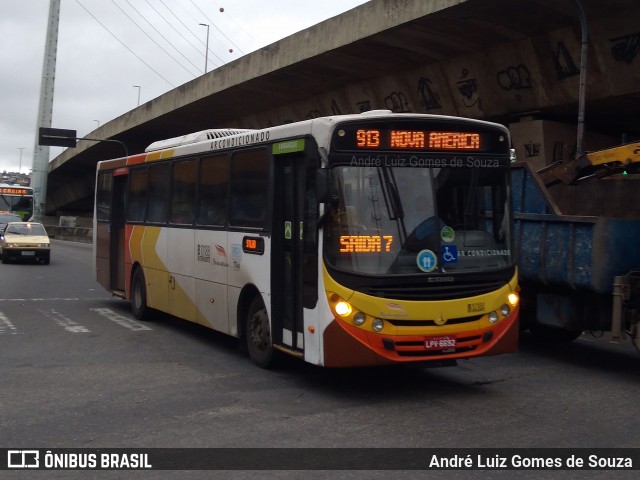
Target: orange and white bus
[(349, 240)]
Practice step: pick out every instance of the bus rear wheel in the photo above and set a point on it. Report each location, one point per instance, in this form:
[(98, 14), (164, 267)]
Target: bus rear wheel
[(139, 295), (258, 335)]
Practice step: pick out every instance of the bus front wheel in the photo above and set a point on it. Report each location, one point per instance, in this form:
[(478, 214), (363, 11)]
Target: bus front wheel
[(258, 335), (139, 295)]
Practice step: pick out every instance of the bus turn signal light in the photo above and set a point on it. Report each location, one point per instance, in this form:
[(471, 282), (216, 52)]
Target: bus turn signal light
[(343, 308)]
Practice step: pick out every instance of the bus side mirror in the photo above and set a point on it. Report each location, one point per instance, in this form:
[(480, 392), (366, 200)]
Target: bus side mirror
[(322, 185)]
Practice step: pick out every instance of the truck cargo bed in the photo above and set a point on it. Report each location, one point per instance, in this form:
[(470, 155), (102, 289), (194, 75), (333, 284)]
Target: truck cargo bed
[(576, 252)]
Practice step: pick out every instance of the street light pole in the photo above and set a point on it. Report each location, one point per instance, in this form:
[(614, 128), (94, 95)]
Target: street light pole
[(206, 53), (139, 88), (582, 92), (20, 165)]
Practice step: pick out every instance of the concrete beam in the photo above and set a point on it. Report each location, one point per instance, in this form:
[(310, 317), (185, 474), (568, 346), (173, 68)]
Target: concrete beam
[(497, 60)]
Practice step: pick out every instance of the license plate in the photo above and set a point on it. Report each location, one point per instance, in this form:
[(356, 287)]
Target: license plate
[(28, 254), (444, 342)]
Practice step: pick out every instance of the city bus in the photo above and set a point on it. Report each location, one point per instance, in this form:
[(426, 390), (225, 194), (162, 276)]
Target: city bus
[(352, 240), (17, 199)]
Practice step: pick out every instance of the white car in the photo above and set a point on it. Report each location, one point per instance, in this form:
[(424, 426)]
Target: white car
[(25, 241)]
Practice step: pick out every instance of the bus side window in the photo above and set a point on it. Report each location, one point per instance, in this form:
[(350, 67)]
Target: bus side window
[(103, 197), (249, 188), (159, 184), (137, 195), (183, 193), (212, 195)]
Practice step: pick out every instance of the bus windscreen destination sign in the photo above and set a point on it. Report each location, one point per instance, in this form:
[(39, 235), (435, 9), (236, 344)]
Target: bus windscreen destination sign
[(417, 140), (14, 191), (417, 137)]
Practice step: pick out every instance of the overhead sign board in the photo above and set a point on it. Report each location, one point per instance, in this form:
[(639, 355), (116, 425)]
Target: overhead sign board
[(57, 137)]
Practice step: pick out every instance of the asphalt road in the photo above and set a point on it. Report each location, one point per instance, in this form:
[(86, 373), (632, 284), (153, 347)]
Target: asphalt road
[(78, 371)]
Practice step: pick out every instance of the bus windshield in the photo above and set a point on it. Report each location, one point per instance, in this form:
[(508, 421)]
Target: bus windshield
[(393, 220), (19, 204)]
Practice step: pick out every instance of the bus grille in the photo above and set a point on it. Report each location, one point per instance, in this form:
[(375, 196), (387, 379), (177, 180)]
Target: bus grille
[(431, 291), (431, 323)]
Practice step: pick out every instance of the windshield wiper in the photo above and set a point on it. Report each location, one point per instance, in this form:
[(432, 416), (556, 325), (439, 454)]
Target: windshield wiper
[(392, 199)]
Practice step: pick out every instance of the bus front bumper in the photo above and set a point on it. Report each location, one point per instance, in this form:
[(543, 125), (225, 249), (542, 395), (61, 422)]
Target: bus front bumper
[(348, 346)]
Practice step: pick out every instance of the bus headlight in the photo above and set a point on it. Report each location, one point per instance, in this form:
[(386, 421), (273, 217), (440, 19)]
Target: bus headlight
[(505, 310), (378, 324), (359, 319), (513, 299), (493, 317)]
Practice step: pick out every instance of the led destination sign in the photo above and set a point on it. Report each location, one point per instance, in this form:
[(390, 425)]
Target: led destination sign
[(14, 191), (254, 245), (365, 243), (452, 138), (417, 140)]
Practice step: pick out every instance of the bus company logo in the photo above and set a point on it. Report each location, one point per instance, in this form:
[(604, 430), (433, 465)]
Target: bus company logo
[(221, 253), (395, 310), (220, 250), (23, 459), (396, 307)]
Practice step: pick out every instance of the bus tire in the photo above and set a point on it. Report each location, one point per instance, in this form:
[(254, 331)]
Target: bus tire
[(139, 295), (258, 335)]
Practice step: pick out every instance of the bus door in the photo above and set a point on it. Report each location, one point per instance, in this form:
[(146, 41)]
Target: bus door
[(288, 253), (116, 234)]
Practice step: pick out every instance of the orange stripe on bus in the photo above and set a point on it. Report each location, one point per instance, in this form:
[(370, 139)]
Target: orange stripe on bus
[(135, 159)]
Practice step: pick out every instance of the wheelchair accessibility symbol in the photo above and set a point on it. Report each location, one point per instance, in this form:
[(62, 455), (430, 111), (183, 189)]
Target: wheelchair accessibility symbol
[(449, 254), (427, 261)]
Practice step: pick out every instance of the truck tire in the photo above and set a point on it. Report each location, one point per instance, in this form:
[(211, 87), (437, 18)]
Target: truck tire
[(554, 334)]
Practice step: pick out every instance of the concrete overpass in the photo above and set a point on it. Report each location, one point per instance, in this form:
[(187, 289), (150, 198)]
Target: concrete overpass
[(499, 60)]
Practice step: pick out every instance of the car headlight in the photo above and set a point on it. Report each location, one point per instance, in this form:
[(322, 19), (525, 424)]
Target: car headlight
[(44, 245)]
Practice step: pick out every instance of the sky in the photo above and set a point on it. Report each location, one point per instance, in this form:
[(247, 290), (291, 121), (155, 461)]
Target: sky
[(112, 52)]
